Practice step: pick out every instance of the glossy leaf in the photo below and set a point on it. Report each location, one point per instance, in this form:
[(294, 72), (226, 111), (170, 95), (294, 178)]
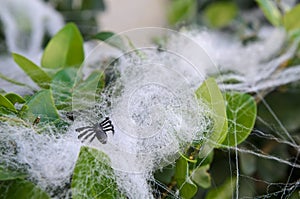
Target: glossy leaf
[(93, 177), (181, 10), (88, 90), (291, 19), (205, 155), (181, 169), (187, 188), (220, 14), (7, 174), (95, 5), (37, 75), (4, 102), (42, 104), (295, 194), (225, 191), (64, 49), (15, 98), (270, 11), (241, 114), (104, 35), (165, 175), (95, 80), (111, 39), (15, 189), (62, 87), (210, 94), (201, 176)]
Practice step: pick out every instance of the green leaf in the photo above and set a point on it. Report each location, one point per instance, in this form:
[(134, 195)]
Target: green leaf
[(93, 177), (94, 5), (181, 10), (15, 189), (41, 104), (220, 14), (210, 94), (270, 11), (187, 188), (7, 174), (205, 155), (64, 49), (7, 104), (165, 175), (295, 194), (62, 87), (103, 35), (241, 114), (111, 39), (201, 177), (181, 169), (15, 98), (88, 90), (225, 191), (95, 80), (291, 19), (37, 75)]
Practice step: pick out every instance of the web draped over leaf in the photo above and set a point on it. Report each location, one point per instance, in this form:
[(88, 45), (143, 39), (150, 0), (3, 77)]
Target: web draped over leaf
[(170, 119), (242, 162)]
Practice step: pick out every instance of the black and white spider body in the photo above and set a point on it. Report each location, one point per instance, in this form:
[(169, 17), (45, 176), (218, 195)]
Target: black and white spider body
[(99, 130)]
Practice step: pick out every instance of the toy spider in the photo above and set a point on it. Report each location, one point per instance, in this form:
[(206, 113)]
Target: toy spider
[(98, 130)]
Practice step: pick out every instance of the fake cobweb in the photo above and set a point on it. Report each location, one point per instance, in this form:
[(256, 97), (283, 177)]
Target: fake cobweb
[(150, 100)]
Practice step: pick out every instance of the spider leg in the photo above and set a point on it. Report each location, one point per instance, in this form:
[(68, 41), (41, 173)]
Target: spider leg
[(92, 138), (111, 128), (106, 126), (83, 128), (81, 135), (87, 136), (105, 121)]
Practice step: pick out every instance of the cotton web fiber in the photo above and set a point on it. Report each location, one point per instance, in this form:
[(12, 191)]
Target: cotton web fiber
[(150, 100), (256, 68), (49, 159), (147, 73), (152, 105)]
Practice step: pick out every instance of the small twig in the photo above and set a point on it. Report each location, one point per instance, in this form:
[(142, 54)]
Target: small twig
[(171, 185)]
